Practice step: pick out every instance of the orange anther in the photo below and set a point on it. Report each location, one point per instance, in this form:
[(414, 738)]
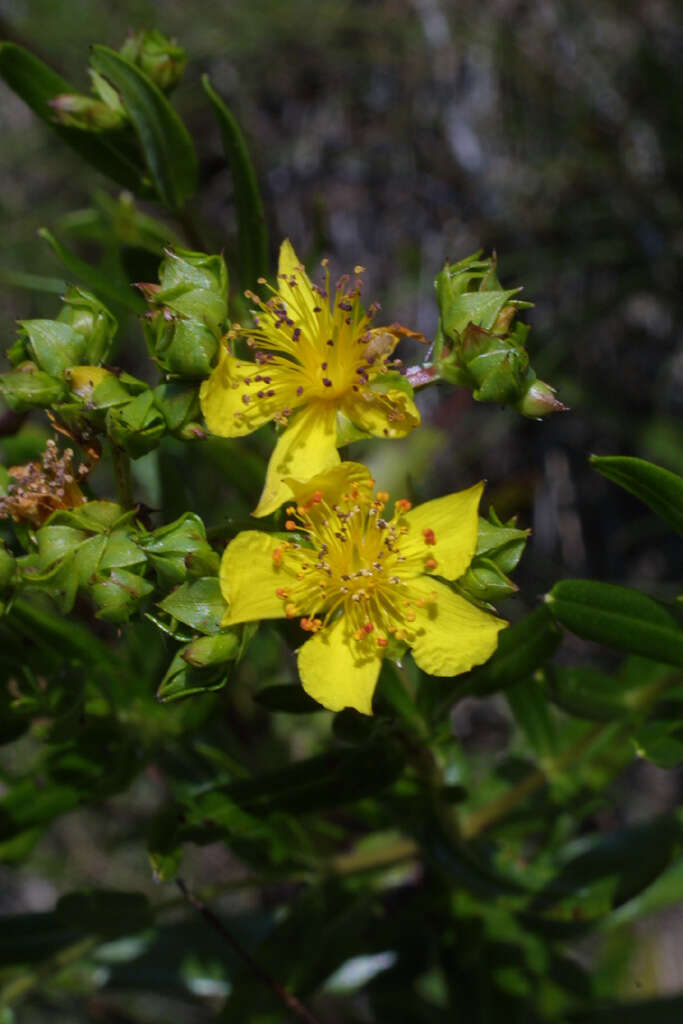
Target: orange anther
[(290, 525), (383, 496), (429, 537), (403, 505), (282, 594), (431, 564), (382, 641), (318, 497), (290, 610), (368, 627), (290, 510), (310, 625), (277, 556)]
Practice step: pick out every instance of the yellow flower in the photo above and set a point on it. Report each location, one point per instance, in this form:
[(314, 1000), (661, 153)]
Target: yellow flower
[(357, 578), (317, 360)]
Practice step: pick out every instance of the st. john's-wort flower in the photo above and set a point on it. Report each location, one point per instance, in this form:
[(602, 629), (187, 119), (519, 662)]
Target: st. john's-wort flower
[(317, 360), (358, 579)]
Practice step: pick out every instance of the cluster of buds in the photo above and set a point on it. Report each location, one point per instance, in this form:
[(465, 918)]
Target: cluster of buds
[(479, 346), (161, 59), (499, 549), (46, 351), (187, 314), (57, 365)]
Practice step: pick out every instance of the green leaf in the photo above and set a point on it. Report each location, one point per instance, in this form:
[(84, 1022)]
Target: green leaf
[(319, 783), (665, 891), (198, 604), (659, 488), (37, 84), (94, 278), (164, 139), (529, 704), (617, 617), (184, 680), (251, 222)]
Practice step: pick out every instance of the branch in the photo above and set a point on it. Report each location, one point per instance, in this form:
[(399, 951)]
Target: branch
[(289, 1000)]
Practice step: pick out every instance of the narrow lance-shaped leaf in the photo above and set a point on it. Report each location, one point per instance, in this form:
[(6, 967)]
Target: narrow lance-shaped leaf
[(617, 617), (253, 233), (659, 488), (96, 279), (164, 139), (37, 84)]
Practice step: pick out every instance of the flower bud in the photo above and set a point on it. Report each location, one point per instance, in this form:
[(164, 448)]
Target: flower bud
[(27, 388), (160, 58), (90, 318), (539, 400), (83, 380), (86, 113), (188, 310), (212, 650), (484, 581)]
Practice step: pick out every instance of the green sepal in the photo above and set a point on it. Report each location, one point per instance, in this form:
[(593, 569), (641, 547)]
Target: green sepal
[(183, 680), (119, 595), (198, 604), (27, 387), (89, 317), (51, 345), (137, 426), (179, 404), (172, 548)]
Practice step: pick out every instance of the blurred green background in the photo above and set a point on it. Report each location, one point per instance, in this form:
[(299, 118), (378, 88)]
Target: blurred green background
[(397, 134)]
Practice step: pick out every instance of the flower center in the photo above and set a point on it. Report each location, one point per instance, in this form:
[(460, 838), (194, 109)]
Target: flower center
[(346, 559), (322, 348)]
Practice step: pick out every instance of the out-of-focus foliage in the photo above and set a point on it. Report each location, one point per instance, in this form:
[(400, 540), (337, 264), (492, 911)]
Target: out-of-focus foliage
[(504, 844)]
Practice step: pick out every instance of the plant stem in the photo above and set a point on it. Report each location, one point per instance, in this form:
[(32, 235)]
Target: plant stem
[(290, 1001), (124, 485), (473, 824)]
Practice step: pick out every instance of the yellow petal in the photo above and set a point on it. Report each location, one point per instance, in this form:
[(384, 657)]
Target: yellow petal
[(300, 299), (452, 635), (453, 523), (230, 396), (331, 484), (335, 673), (307, 447), (391, 415), (249, 578)]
